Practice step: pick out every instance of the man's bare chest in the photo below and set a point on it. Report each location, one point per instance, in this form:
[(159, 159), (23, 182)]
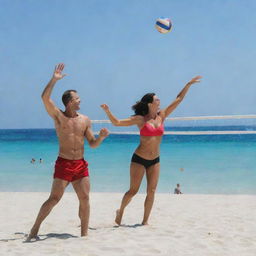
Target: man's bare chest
[(71, 126)]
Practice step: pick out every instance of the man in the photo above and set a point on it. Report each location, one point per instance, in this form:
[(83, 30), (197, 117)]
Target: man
[(71, 128), (177, 189)]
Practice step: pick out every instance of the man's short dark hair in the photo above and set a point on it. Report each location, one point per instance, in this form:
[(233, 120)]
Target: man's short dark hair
[(66, 97)]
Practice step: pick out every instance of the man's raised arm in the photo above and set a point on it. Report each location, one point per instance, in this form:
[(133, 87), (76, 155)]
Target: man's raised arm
[(48, 103)]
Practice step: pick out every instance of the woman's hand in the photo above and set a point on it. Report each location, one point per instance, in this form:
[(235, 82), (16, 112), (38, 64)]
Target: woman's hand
[(195, 80), (105, 107)]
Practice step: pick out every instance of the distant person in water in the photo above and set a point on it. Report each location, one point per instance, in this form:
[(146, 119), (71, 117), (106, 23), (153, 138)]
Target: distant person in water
[(33, 160), (177, 190), (72, 128), (149, 120), (40, 160)]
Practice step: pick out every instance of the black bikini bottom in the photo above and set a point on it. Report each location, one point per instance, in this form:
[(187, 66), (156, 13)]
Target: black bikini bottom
[(146, 163)]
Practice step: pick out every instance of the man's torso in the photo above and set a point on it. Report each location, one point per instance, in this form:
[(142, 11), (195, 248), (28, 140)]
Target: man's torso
[(71, 133)]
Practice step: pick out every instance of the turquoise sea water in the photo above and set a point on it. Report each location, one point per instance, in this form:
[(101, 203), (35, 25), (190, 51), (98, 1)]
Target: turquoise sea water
[(219, 164)]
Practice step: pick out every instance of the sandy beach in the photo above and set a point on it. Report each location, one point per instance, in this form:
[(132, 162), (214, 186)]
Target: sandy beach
[(214, 225)]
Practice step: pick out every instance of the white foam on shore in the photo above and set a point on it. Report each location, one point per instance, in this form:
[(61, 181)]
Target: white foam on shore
[(212, 225)]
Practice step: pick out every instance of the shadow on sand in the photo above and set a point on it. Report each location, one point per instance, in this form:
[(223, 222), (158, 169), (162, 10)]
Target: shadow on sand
[(63, 236), (129, 226), (116, 226), (42, 237)]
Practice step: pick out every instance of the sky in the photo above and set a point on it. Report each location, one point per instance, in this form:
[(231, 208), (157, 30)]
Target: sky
[(114, 55)]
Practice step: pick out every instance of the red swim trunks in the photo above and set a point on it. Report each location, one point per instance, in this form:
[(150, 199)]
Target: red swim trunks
[(70, 170)]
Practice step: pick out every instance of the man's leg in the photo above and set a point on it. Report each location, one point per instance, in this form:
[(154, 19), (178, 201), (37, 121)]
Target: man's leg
[(82, 188), (58, 188)]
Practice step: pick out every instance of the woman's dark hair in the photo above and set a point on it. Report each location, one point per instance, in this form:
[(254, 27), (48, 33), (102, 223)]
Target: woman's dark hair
[(66, 97), (141, 107)]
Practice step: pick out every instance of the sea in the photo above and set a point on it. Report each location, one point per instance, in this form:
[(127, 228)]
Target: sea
[(201, 164)]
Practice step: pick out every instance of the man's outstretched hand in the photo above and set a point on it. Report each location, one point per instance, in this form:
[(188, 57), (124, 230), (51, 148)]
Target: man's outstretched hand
[(57, 75)]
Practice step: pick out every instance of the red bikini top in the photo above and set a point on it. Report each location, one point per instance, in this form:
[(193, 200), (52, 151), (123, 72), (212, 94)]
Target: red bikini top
[(150, 130)]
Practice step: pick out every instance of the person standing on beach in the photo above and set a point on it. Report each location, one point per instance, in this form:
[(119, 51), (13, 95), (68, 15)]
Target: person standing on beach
[(71, 128), (149, 119)]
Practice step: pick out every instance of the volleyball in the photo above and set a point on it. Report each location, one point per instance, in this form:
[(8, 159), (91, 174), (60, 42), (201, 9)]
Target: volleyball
[(163, 25)]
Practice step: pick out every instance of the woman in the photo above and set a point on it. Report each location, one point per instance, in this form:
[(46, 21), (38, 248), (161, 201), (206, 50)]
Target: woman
[(149, 120)]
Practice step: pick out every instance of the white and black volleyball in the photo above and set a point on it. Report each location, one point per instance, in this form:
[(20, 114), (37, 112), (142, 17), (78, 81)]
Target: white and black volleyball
[(163, 25)]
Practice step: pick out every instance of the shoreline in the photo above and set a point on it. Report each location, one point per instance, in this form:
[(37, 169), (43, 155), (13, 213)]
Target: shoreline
[(122, 193)]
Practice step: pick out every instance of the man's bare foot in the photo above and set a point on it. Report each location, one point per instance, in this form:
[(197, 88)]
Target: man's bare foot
[(144, 223), (118, 218)]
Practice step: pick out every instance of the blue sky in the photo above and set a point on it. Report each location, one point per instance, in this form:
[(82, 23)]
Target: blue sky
[(114, 55)]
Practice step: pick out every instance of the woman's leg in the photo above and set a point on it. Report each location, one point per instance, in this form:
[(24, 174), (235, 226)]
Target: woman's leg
[(152, 179), (136, 174)]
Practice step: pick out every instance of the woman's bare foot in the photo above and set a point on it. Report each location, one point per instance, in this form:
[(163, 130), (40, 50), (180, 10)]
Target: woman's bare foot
[(144, 223), (118, 218), (32, 234)]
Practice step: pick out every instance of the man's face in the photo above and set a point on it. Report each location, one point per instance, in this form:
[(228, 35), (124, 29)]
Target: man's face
[(75, 101)]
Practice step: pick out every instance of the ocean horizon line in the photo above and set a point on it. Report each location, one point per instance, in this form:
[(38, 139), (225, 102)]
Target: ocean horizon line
[(166, 126)]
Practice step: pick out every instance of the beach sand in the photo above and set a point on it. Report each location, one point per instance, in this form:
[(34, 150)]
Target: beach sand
[(207, 225)]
